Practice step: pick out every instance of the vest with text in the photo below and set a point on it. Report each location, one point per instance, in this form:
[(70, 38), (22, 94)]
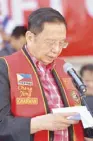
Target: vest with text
[(27, 94)]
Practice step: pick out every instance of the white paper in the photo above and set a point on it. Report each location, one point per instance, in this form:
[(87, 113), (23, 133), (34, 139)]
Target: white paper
[(85, 116)]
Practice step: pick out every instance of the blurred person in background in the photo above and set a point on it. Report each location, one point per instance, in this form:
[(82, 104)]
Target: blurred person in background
[(17, 40), (86, 73), (6, 27), (18, 37)]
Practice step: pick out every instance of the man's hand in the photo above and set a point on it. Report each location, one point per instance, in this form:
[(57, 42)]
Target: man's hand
[(51, 122), (88, 139)]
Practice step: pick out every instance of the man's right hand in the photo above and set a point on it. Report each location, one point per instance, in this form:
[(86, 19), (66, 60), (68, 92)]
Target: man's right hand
[(52, 122)]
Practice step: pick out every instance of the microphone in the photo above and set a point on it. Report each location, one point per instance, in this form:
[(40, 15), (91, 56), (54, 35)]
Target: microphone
[(79, 84)]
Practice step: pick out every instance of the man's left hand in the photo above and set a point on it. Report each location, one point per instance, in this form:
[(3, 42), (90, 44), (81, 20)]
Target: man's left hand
[(88, 139)]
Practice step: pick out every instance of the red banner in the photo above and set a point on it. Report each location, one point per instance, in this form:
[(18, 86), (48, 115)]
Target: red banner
[(78, 14), (80, 28)]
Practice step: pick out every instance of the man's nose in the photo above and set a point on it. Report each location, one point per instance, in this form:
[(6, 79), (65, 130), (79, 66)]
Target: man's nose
[(56, 48)]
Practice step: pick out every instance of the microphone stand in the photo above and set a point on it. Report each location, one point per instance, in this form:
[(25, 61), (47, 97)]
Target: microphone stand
[(84, 101), (82, 89)]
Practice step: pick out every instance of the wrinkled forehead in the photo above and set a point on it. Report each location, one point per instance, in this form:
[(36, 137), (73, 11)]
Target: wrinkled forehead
[(54, 30)]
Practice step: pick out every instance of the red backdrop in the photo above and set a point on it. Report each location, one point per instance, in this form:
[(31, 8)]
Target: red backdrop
[(80, 27)]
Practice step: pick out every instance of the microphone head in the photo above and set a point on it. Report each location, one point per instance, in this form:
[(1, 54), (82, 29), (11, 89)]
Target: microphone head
[(67, 67)]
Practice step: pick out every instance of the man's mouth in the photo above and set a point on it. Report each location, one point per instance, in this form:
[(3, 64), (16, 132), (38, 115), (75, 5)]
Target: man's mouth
[(52, 57)]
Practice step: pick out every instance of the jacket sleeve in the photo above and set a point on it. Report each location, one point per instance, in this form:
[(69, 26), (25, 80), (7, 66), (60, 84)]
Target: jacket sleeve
[(88, 132), (11, 128)]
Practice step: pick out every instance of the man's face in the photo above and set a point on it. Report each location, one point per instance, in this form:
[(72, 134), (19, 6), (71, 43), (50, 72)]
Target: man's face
[(88, 79), (48, 44)]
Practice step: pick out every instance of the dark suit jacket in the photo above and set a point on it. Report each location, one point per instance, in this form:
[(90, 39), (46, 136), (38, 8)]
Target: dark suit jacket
[(90, 102), (11, 128), (7, 50), (89, 131)]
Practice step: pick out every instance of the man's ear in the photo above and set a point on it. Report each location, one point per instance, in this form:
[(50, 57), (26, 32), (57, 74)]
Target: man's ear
[(29, 36)]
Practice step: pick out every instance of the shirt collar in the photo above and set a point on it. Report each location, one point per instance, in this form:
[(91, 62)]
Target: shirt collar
[(39, 63)]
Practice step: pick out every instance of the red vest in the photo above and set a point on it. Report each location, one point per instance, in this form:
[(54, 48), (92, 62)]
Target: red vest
[(27, 95)]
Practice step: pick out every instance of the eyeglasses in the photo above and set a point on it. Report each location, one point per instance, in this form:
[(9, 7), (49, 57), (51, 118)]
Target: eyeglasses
[(51, 43)]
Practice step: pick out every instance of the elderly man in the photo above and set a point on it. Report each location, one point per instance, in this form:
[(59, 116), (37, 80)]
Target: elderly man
[(32, 84)]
